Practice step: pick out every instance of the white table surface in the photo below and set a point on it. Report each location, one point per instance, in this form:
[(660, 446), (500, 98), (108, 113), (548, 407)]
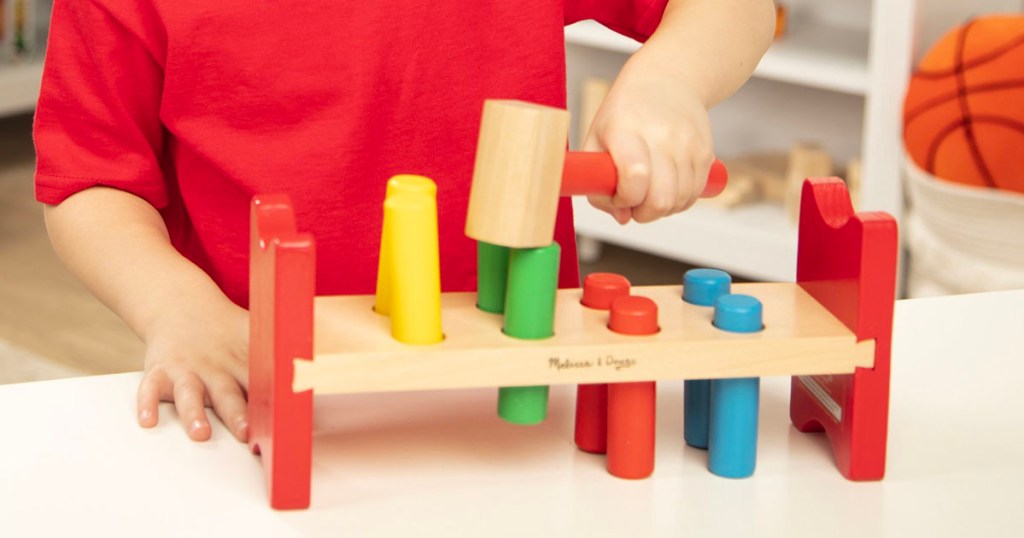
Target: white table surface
[(73, 462)]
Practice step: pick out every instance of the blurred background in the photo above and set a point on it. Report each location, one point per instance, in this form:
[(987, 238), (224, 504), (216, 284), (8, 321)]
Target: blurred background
[(828, 99)]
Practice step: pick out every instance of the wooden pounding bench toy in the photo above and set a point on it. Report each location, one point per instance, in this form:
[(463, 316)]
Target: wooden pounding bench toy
[(830, 330)]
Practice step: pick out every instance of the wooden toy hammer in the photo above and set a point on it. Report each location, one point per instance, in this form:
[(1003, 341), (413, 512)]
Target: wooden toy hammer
[(522, 168)]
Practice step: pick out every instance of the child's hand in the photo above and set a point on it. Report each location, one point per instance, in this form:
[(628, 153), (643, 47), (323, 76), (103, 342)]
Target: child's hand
[(196, 339), (198, 358), (658, 133)]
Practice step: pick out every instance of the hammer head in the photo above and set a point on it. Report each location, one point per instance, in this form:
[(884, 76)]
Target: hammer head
[(518, 173)]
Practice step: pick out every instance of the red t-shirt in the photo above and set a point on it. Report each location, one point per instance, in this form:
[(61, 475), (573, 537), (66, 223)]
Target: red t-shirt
[(198, 106)]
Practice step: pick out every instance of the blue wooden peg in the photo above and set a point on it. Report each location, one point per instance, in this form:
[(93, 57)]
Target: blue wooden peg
[(732, 428), (700, 287)]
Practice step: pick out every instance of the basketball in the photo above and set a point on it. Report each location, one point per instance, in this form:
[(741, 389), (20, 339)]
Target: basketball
[(963, 116)]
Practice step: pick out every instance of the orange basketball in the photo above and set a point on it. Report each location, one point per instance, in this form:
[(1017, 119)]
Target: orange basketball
[(963, 117)]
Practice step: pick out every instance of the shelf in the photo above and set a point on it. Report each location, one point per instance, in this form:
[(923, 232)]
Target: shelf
[(756, 241), (19, 87), (829, 58), (817, 56)]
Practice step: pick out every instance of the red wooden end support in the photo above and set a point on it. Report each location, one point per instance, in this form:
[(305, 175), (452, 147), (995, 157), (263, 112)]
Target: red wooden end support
[(847, 262), (281, 289)]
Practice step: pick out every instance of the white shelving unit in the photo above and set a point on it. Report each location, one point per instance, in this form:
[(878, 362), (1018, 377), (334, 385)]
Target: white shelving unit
[(826, 57), (829, 59), (20, 78)]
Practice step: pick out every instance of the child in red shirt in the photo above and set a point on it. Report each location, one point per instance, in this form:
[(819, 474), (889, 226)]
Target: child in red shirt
[(158, 122)]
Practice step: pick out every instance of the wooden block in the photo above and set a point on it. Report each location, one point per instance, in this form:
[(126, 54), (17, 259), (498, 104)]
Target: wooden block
[(354, 352), (773, 188), (853, 181), (766, 170), (518, 173), (741, 189), (770, 174), (805, 161)]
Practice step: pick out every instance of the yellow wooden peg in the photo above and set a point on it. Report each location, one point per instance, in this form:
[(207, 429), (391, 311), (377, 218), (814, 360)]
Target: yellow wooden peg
[(412, 267), (403, 183)]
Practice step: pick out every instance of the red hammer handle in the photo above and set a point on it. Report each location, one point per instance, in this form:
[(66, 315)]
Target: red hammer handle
[(593, 172)]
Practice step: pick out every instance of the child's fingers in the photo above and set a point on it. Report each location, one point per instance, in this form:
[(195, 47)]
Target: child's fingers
[(689, 188), (662, 191), (633, 163), (693, 177), (189, 398), (229, 403), (153, 387), (604, 203)]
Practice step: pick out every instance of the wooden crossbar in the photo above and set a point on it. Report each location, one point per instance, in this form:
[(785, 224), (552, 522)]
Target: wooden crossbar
[(354, 352)]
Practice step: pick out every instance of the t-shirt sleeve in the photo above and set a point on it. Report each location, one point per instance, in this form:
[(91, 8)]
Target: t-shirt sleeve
[(97, 120), (633, 18)]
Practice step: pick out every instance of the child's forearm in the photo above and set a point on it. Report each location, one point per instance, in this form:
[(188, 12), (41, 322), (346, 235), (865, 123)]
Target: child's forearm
[(712, 46), (117, 244), (196, 338)]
